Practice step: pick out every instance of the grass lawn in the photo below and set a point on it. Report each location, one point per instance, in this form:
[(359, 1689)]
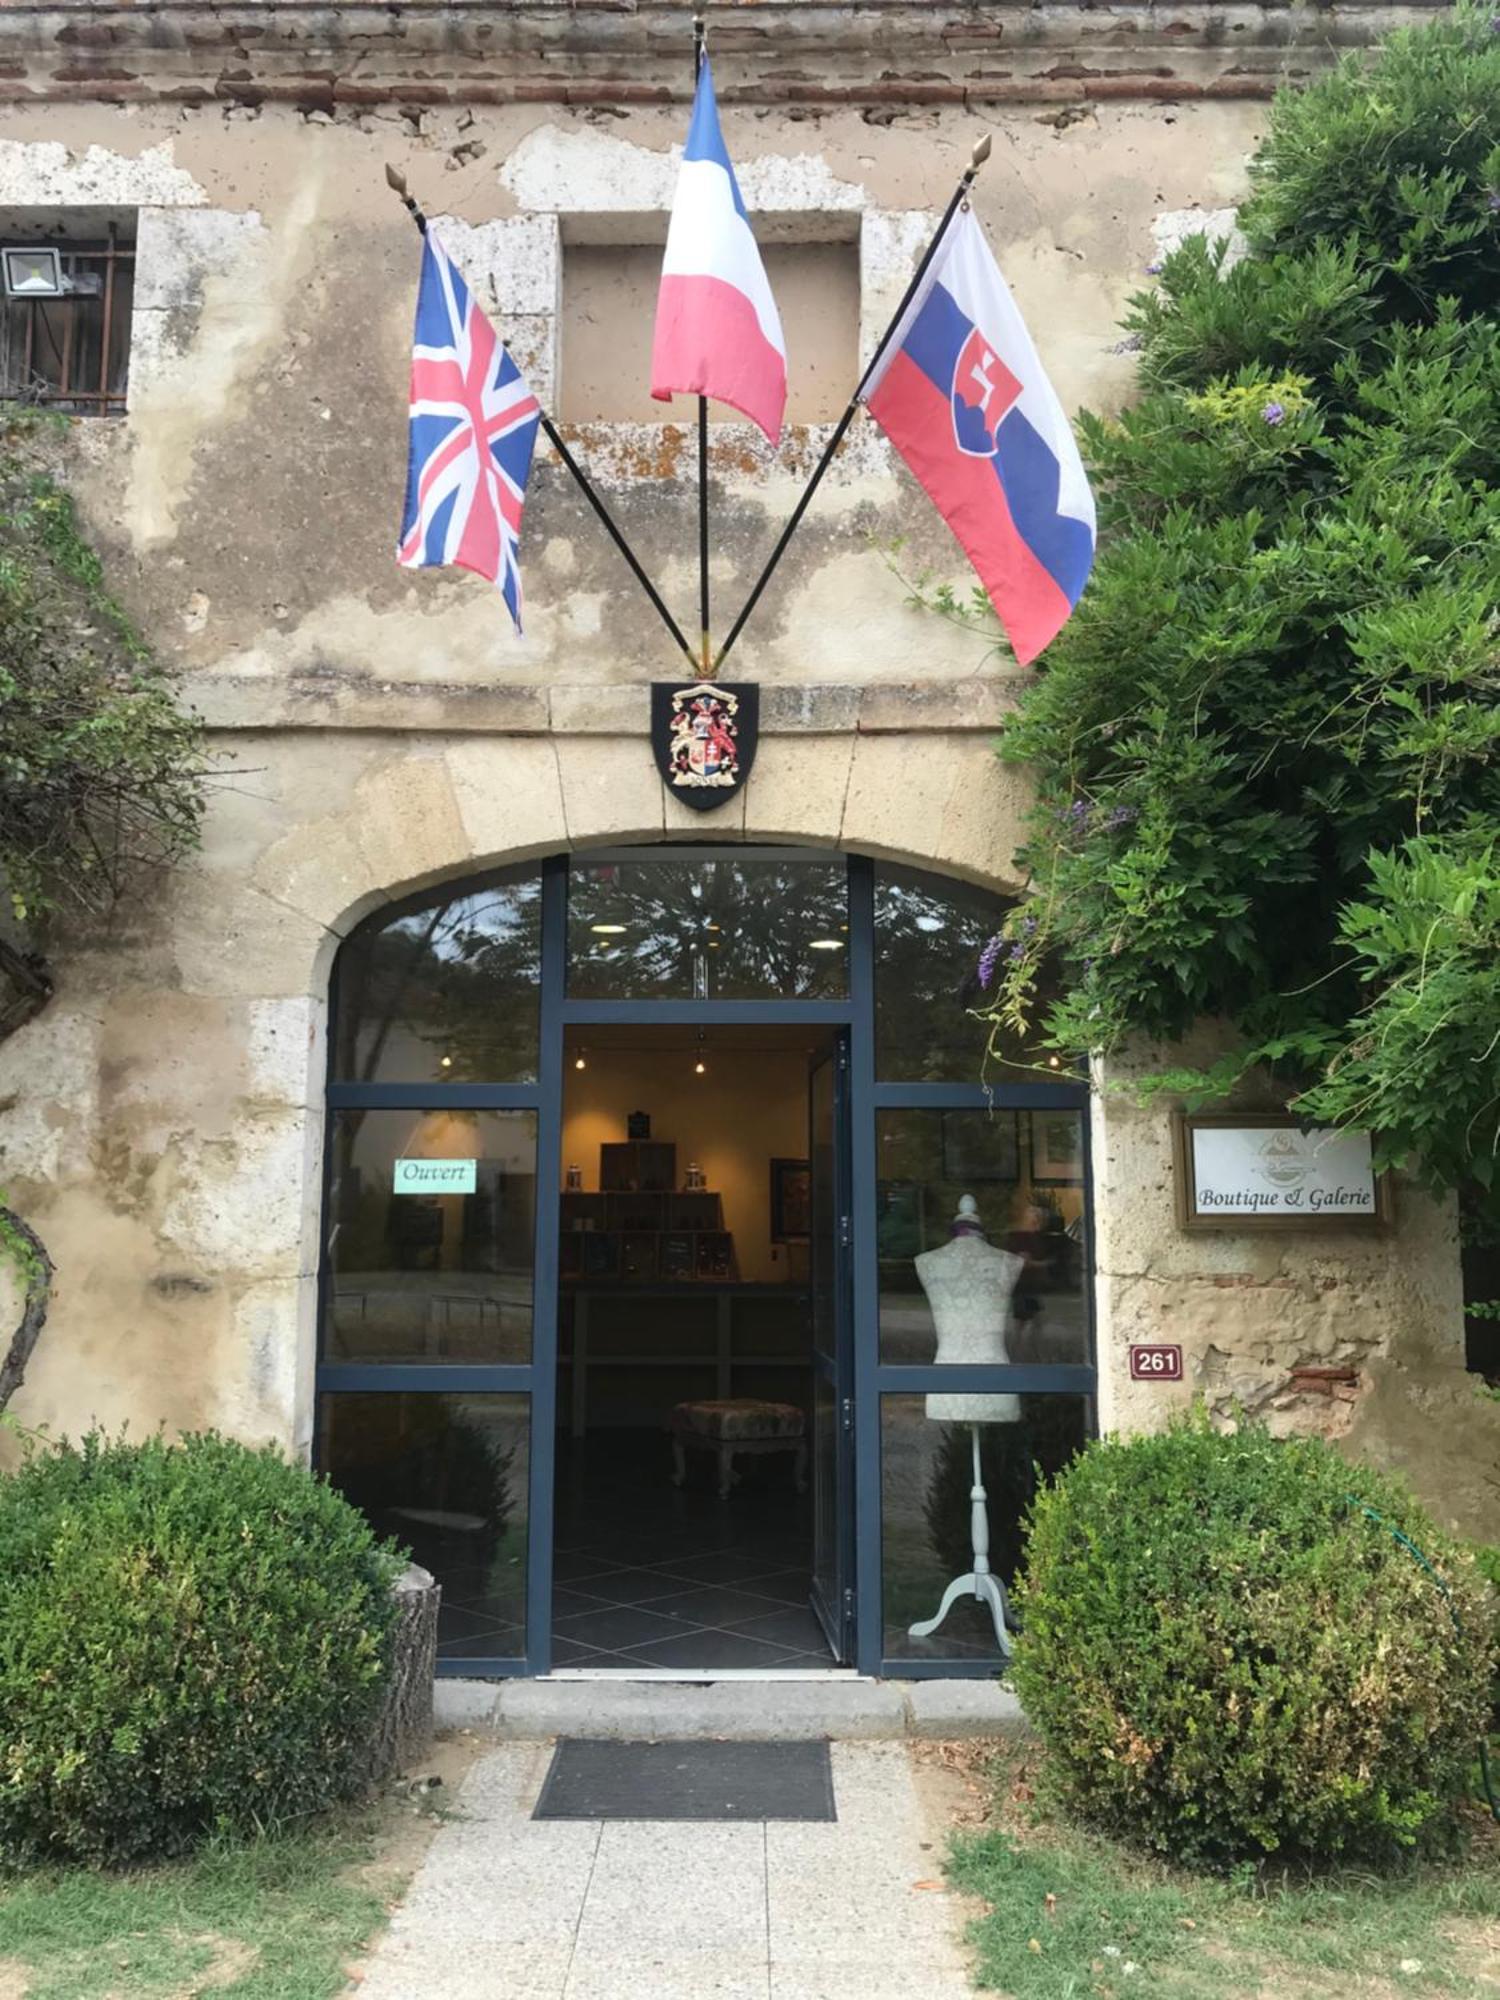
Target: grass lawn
[(1071, 1917), (278, 1919)]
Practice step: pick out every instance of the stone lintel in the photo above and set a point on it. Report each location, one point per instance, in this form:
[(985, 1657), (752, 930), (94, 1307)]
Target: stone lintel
[(238, 704)]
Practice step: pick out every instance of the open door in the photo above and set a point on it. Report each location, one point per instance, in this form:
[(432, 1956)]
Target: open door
[(833, 1349)]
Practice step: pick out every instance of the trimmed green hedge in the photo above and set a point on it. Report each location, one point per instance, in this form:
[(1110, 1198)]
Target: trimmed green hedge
[(193, 1639), (1227, 1657)]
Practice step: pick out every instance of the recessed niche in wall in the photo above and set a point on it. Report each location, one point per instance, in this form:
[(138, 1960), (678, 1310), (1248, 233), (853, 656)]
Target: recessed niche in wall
[(609, 310)]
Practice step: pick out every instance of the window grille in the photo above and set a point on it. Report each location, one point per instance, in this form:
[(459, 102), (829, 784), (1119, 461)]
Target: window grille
[(72, 352)]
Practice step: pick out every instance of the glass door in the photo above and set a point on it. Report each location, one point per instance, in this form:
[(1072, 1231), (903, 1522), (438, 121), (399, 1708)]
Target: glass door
[(833, 1348)]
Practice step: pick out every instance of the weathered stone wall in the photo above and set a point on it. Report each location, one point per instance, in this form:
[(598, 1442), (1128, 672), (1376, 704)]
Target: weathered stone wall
[(380, 729), (1351, 1334)]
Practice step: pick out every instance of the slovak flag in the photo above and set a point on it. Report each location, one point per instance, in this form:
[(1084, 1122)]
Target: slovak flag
[(718, 332), (472, 432), (961, 394)]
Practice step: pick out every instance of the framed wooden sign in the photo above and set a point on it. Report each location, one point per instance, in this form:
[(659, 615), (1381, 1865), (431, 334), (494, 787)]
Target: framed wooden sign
[(1266, 1170)]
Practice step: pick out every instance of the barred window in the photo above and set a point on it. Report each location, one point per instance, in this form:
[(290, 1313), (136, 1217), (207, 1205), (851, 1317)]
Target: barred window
[(66, 287)]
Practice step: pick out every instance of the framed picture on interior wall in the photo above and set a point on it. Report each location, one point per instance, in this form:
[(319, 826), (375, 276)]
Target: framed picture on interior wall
[(1057, 1148), (981, 1146), (791, 1201)]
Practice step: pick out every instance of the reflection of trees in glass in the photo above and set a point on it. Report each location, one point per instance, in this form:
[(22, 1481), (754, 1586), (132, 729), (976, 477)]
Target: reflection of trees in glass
[(417, 1451), (722, 929), (460, 976), (929, 935), (929, 943)]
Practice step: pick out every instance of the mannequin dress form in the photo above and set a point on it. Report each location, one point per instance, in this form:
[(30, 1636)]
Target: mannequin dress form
[(969, 1283)]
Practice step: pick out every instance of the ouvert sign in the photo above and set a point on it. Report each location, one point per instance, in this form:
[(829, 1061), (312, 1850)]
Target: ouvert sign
[(1245, 1169), (436, 1176)]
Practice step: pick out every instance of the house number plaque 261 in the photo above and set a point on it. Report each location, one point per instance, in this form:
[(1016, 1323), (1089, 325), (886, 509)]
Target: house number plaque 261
[(1156, 1364)]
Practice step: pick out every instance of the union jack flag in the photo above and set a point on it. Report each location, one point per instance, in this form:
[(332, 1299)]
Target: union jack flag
[(473, 430)]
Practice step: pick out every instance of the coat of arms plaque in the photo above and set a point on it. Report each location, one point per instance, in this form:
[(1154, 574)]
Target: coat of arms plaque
[(704, 738)]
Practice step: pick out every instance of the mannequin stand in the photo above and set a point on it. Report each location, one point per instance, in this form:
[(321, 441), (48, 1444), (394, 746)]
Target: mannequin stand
[(981, 1583)]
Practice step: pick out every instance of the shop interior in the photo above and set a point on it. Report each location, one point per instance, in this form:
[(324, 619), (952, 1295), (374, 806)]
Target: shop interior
[(683, 1498)]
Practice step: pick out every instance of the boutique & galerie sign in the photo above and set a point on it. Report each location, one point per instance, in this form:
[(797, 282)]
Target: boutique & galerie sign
[(1251, 1170)]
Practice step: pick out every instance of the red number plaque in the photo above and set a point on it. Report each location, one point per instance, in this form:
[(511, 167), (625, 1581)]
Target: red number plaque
[(1156, 1364)]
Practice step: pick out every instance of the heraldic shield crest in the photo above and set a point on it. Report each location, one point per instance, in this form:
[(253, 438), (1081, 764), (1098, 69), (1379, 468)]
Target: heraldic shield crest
[(704, 738)]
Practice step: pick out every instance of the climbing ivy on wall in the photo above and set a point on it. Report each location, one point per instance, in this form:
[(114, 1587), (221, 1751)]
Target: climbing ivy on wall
[(101, 773), (1265, 749)]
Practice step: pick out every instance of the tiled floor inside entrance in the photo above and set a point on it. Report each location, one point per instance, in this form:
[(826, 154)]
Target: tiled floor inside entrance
[(648, 1574)]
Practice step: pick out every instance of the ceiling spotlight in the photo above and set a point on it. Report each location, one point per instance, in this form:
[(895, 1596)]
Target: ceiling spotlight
[(580, 1062), (445, 1062), (700, 1068), (826, 944), (607, 930)]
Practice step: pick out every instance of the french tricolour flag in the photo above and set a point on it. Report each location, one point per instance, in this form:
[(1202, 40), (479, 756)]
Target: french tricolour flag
[(961, 394), (718, 332)]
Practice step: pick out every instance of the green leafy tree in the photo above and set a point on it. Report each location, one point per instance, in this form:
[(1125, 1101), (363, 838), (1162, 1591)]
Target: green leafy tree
[(1265, 748), (100, 771)]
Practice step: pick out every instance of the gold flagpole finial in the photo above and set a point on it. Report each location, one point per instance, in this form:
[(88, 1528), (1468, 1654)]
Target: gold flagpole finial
[(979, 155), (395, 180)]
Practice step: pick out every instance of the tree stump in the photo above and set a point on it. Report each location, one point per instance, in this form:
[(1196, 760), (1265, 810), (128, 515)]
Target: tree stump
[(402, 1729)]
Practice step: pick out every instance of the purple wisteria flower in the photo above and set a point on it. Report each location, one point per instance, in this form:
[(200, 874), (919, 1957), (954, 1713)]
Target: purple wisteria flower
[(988, 959), (1153, 269), (1122, 815), (1273, 414)]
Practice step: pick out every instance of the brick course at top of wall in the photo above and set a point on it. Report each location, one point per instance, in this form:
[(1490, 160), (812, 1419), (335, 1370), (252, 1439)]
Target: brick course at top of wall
[(881, 55)]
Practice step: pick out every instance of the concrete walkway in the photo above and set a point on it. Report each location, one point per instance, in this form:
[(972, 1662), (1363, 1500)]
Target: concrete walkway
[(505, 1908)]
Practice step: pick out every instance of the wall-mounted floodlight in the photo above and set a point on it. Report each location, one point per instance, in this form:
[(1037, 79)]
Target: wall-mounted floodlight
[(33, 271)]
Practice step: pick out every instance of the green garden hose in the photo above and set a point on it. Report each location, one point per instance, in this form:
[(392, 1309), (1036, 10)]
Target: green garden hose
[(1411, 1548)]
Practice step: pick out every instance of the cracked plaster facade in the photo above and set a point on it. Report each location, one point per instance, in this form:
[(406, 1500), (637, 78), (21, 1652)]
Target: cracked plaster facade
[(381, 730)]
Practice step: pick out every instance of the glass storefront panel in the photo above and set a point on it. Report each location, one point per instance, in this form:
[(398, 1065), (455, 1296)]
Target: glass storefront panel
[(1027, 1263), (929, 935), (446, 993), (926, 1512), (432, 1218), (736, 927), (447, 1477)]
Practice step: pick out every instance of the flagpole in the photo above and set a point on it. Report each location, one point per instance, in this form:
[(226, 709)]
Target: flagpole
[(977, 159), (700, 31), (397, 181)]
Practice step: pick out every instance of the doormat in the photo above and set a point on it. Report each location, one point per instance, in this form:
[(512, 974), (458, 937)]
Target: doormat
[(590, 1779)]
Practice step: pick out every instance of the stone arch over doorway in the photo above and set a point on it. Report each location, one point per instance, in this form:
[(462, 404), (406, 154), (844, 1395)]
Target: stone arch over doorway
[(174, 1168)]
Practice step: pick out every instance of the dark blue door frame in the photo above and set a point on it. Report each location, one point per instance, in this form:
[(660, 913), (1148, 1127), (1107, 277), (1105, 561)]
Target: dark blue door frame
[(871, 1378), (833, 1352)]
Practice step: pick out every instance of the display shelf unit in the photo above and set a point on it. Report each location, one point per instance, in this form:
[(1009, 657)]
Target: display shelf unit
[(722, 1350), (639, 1228)]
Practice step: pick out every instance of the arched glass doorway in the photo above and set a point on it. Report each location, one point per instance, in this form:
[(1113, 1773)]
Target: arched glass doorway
[(504, 1244)]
